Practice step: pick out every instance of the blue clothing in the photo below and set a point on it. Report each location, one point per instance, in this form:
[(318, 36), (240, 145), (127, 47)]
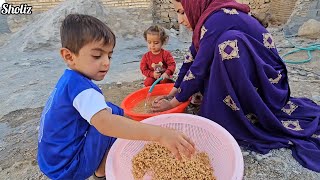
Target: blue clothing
[(69, 147), (245, 88)]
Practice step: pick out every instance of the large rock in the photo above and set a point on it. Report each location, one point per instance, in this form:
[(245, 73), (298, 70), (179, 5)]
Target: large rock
[(43, 31), (310, 29)]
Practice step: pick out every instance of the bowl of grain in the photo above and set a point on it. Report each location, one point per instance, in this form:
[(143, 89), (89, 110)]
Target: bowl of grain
[(135, 106), (217, 157)]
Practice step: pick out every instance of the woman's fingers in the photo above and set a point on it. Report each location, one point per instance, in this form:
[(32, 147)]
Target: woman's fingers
[(157, 99)]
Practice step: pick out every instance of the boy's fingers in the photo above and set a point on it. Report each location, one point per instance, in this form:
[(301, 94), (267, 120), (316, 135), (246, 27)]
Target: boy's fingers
[(189, 147), (188, 144), (184, 150), (176, 153)]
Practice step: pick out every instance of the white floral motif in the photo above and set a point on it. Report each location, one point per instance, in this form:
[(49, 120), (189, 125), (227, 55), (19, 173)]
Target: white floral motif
[(189, 76), (203, 31), (293, 125), (276, 80), (268, 40), (230, 11), (252, 118), (188, 58), (232, 50), (292, 107), (229, 102)]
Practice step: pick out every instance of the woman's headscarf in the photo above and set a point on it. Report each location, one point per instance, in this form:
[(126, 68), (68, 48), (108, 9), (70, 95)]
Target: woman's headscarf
[(197, 12)]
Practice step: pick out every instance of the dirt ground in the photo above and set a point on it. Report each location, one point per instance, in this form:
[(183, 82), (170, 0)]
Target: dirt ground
[(18, 156), (18, 142)]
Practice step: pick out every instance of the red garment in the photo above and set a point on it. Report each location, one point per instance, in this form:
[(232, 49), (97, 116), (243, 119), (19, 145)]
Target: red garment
[(197, 12), (162, 62)]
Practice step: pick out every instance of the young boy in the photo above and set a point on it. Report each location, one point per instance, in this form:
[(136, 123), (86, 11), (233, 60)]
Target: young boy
[(77, 125)]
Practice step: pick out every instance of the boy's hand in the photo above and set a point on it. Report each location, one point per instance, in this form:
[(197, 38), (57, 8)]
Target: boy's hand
[(156, 74), (165, 76), (177, 143)]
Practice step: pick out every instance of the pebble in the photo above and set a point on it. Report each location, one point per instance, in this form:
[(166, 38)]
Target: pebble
[(245, 153), (316, 98), (302, 73), (119, 84), (25, 64), (259, 157)]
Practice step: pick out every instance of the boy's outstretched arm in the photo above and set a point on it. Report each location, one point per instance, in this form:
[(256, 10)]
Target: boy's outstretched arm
[(122, 127)]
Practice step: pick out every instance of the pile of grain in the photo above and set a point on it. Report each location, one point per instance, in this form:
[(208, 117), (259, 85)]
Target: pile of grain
[(157, 161)]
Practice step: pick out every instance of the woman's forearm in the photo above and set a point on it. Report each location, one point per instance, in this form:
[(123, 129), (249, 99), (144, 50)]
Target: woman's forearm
[(174, 102)]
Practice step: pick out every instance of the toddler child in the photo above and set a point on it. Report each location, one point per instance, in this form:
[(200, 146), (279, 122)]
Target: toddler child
[(157, 62)]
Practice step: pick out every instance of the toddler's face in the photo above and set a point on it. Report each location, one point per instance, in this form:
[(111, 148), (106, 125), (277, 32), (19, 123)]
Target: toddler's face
[(154, 43), (93, 60)]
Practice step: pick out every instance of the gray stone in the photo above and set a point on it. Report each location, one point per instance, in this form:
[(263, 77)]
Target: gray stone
[(310, 29)]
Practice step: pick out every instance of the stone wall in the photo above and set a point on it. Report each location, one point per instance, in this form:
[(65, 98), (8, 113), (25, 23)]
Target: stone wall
[(164, 14), (44, 5)]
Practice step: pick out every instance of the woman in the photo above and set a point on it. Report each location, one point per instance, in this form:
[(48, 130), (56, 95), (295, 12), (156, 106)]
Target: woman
[(233, 62)]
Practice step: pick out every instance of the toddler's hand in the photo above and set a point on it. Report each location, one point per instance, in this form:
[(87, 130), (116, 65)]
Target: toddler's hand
[(156, 74), (165, 76), (177, 143)]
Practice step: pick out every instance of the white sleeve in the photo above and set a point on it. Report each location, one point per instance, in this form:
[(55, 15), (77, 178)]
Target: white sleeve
[(89, 102)]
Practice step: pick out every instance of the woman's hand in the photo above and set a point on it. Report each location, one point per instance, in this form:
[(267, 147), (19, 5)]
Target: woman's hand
[(165, 104), (177, 143), (162, 105), (173, 92), (159, 98)]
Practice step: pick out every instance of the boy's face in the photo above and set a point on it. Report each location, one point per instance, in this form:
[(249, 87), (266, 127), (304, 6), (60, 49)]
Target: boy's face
[(93, 60), (154, 43)]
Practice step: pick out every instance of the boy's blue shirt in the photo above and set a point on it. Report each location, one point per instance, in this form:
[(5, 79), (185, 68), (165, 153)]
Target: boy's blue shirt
[(62, 129)]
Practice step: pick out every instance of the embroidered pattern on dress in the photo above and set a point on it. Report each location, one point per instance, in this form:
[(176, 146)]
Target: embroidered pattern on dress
[(289, 108), (189, 76), (293, 125), (203, 31), (315, 136), (290, 143), (229, 102), (229, 50), (276, 80), (252, 118), (230, 11), (179, 90), (188, 58), (268, 40)]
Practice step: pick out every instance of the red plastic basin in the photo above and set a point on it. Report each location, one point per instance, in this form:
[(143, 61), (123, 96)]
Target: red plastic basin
[(134, 98)]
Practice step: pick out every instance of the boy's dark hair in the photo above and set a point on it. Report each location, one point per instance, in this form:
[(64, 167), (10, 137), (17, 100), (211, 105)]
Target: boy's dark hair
[(77, 30), (157, 30)]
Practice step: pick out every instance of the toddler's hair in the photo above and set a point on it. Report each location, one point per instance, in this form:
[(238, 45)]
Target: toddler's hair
[(77, 30), (157, 30)]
